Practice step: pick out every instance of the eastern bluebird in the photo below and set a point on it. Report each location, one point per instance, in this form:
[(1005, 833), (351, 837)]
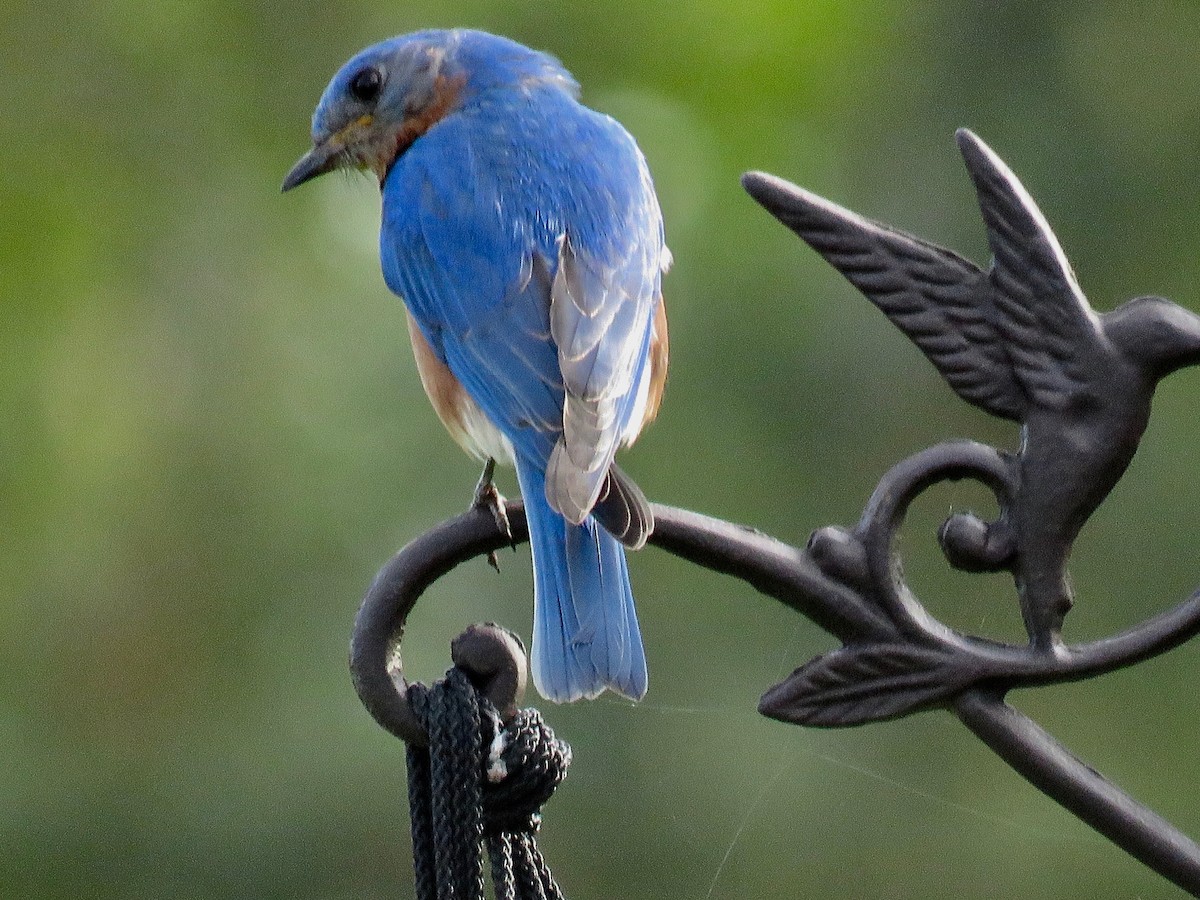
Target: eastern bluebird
[(522, 231)]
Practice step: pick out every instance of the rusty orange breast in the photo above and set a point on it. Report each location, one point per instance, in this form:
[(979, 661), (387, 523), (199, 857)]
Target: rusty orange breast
[(459, 413), (659, 353)]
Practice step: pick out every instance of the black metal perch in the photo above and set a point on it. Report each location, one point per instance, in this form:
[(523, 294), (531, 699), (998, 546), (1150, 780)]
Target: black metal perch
[(1018, 340)]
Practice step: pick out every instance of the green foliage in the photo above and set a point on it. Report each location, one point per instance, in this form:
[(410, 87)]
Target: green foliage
[(213, 435)]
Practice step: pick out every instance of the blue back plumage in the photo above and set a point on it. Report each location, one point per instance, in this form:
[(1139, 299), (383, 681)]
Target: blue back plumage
[(522, 231)]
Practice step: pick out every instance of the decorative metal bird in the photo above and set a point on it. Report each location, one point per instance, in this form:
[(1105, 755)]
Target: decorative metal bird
[(1021, 342), (523, 233)]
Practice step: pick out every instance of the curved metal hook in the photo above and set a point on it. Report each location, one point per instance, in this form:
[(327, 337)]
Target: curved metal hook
[(885, 512), (492, 655)]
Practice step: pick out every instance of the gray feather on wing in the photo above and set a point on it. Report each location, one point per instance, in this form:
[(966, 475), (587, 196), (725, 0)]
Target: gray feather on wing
[(598, 317)]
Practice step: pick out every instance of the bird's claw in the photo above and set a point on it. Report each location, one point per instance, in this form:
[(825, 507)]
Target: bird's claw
[(488, 497)]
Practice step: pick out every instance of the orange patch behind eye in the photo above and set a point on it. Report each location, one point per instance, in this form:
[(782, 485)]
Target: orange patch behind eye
[(446, 94)]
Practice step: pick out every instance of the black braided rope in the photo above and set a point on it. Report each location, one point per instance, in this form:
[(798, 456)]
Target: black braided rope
[(479, 784), (503, 878), (420, 811), (525, 766)]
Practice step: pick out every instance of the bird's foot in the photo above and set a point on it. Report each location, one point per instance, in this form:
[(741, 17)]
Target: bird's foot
[(488, 497)]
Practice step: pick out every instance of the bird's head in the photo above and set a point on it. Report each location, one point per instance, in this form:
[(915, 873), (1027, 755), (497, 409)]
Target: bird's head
[(388, 95), (1159, 335)]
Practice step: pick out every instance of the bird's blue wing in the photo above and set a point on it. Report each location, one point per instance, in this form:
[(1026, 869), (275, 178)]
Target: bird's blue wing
[(479, 291), (533, 270), (602, 304)]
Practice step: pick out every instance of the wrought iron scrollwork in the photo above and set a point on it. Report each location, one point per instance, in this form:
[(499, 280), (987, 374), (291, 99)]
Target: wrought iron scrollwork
[(1018, 340)]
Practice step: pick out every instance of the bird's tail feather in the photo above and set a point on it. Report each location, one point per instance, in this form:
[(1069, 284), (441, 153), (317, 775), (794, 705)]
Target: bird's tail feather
[(585, 629)]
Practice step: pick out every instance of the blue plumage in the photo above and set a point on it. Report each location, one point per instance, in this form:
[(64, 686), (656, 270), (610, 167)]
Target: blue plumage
[(585, 629), (522, 231)]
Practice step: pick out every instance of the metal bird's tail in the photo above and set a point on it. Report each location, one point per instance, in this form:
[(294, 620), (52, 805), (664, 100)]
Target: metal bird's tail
[(585, 629)]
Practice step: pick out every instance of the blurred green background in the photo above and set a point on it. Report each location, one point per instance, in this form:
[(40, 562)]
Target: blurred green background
[(213, 435)]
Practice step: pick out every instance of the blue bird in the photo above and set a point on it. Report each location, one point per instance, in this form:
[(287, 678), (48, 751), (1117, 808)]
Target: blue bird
[(523, 233)]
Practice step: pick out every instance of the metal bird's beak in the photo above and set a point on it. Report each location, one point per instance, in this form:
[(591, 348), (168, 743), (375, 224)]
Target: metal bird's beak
[(320, 159)]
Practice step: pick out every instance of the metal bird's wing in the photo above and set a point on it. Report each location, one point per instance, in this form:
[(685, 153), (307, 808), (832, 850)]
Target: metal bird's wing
[(1049, 329), (937, 298)]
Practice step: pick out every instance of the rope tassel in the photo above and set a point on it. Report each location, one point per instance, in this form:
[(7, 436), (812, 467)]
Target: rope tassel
[(479, 783)]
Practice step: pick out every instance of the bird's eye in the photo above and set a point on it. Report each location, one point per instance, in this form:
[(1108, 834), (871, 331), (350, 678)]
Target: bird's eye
[(365, 86)]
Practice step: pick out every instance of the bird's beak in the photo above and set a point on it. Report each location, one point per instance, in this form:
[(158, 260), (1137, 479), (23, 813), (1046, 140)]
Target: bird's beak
[(320, 159)]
